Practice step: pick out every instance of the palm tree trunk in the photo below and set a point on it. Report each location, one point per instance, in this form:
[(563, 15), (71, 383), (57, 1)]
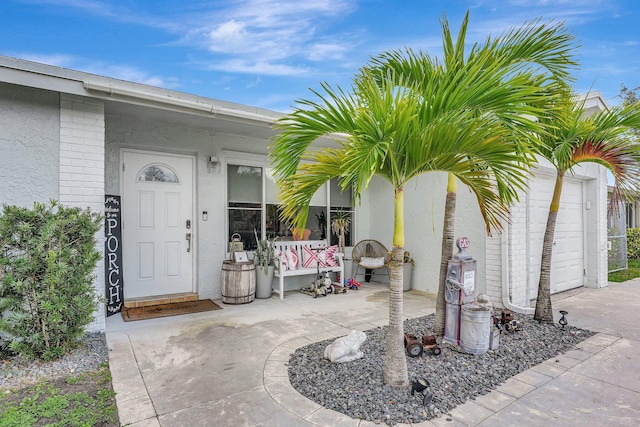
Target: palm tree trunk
[(544, 311), (446, 252), (395, 371)]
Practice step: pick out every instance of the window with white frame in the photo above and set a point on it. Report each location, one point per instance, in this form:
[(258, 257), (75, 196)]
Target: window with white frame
[(340, 202), (245, 205), (631, 217), (252, 204)]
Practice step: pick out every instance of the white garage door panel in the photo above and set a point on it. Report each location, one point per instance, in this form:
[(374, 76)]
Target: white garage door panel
[(567, 264)]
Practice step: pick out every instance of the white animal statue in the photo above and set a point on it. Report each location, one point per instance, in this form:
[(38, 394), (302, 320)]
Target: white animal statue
[(347, 348)]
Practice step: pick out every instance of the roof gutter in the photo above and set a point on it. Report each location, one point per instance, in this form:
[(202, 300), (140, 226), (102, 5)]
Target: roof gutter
[(213, 109)]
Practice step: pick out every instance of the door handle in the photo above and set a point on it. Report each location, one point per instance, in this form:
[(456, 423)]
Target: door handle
[(188, 237)]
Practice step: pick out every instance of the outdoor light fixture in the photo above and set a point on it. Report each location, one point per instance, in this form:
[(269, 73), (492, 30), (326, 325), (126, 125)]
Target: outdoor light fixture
[(421, 385), (563, 320), (212, 161)]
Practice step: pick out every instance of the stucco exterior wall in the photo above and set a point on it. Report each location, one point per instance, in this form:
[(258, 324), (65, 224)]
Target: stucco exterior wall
[(29, 148), (424, 216), (148, 134)]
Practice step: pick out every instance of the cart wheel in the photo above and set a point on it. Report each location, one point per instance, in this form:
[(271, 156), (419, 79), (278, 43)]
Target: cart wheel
[(436, 351), (414, 349), (330, 289), (315, 294)]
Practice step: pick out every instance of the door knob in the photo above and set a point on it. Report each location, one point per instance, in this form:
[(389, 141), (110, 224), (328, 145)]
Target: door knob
[(188, 237)]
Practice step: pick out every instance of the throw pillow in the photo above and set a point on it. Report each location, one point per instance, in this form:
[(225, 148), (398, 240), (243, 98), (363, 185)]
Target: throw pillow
[(313, 257), (284, 264), (292, 259), (330, 256)]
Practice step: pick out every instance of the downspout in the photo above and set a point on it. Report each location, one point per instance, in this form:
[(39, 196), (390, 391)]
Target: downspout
[(506, 299)]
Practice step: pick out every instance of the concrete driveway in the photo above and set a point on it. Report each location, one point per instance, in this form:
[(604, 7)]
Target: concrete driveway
[(227, 367)]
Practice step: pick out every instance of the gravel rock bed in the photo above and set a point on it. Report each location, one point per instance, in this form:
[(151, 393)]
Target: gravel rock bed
[(16, 372), (357, 390)]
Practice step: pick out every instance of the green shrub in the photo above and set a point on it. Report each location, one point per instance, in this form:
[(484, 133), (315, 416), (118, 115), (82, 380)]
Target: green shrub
[(633, 243), (47, 258)]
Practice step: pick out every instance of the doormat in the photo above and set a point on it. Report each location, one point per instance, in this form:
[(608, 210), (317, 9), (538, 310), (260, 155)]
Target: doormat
[(164, 310)]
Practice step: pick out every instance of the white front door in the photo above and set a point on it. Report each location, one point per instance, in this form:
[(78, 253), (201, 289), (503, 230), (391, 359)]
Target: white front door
[(567, 260), (157, 226)]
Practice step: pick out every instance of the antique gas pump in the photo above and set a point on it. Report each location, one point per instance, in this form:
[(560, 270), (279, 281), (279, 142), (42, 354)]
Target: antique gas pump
[(460, 289)]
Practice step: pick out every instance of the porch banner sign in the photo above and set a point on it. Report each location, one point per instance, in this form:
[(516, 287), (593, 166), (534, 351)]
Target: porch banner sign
[(113, 254)]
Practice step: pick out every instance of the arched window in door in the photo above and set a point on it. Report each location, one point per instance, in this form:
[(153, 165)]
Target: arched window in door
[(158, 173)]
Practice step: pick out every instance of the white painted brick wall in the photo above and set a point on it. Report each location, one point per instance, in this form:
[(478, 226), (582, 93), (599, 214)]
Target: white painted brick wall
[(493, 271), (518, 253), (81, 177)]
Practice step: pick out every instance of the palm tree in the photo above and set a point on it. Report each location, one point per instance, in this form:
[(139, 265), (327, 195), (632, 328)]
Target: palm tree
[(385, 129), (496, 78), (605, 138)]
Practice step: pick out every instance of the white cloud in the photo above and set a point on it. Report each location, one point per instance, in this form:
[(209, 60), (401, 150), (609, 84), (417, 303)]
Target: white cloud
[(265, 68), (246, 36), (254, 83), (273, 37), (57, 60), (122, 72), (327, 50), (92, 6)]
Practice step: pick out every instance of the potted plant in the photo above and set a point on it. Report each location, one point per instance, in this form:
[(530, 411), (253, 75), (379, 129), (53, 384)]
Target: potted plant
[(263, 259), (407, 270), (339, 226)]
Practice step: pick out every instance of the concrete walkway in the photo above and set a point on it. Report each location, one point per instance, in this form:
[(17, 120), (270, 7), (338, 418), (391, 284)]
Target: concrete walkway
[(228, 367)]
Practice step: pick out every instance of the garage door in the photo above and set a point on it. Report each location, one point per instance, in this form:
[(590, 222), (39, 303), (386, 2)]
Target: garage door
[(567, 263)]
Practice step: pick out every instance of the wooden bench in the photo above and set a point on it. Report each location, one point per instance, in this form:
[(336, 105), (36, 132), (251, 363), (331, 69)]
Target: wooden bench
[(298, 246)]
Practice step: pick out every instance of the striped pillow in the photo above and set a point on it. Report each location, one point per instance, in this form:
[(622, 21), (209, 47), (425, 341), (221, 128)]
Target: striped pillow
[(330, 256), (292, 259), (313, 257), (284, 264)]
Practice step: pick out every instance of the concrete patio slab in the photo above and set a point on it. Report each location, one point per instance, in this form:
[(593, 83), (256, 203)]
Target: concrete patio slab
[(618, 364), (571, 400), (228, 367)]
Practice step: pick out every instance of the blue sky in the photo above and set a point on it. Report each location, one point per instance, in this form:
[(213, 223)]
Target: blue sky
[(268, 53)]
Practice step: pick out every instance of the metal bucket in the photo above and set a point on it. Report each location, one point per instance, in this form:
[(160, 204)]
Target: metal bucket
[(238, 282), (475, 329)]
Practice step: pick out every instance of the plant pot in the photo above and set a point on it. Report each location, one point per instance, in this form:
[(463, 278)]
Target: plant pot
[(264, 281), (407, 270)]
